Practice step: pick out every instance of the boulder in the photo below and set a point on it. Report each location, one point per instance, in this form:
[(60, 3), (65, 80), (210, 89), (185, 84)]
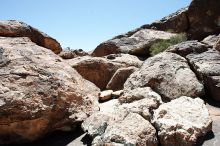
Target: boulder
[(100, 70), (39, 93), (136, 44), (120, 76), (207, 68), (188, 47), (204, 18), (182, 121), (138, 94), (124, 123), (168, 74), (69, 54), (211, 40), (13, 28), (130, 132)]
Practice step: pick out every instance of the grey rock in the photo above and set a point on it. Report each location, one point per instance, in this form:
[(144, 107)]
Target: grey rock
[(166, 74), (207, 67), (188, 47)]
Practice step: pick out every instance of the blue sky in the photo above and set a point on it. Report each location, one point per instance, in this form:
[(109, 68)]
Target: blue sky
[(86, 23)]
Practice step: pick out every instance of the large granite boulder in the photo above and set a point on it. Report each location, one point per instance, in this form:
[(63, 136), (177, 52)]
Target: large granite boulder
[(39, 93), (100, 70), (168, 74), (13, 28), (137, 43), (182, 121), (207, 67)]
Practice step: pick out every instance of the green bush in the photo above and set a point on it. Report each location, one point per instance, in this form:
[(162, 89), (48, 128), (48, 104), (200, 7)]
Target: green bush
[(162, 45)]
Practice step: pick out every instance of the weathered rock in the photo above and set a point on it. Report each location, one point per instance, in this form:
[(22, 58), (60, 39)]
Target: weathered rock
[(132, 130), (69, 54), (168, 74), (136, 44), (207, 67), (120, 124), (143, 107), (217, 45), (177, 22), (128, 60), (204, 18), (211, 40), (100, 70), (39, 93), (139, 93), (105, 95), (120, 76), (13, 28), (182, 121), (188, 47)]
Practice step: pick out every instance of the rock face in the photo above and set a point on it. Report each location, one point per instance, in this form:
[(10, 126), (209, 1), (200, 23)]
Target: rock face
[(124, 124), (177, 22), (204, 18), (69, 54), (100, 70), (136, 44), (38, 92), (168, 74), (198, 20), (13, 28), (120, 76), (207, 67), (188, 47), (182, 121)]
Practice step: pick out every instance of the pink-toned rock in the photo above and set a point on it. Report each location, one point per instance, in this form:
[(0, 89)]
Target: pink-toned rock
[(39, 93), (13, 28), (120, 76)]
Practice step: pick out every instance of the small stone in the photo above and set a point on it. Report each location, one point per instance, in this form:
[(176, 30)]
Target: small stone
[(117, 94), (105, 95)]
